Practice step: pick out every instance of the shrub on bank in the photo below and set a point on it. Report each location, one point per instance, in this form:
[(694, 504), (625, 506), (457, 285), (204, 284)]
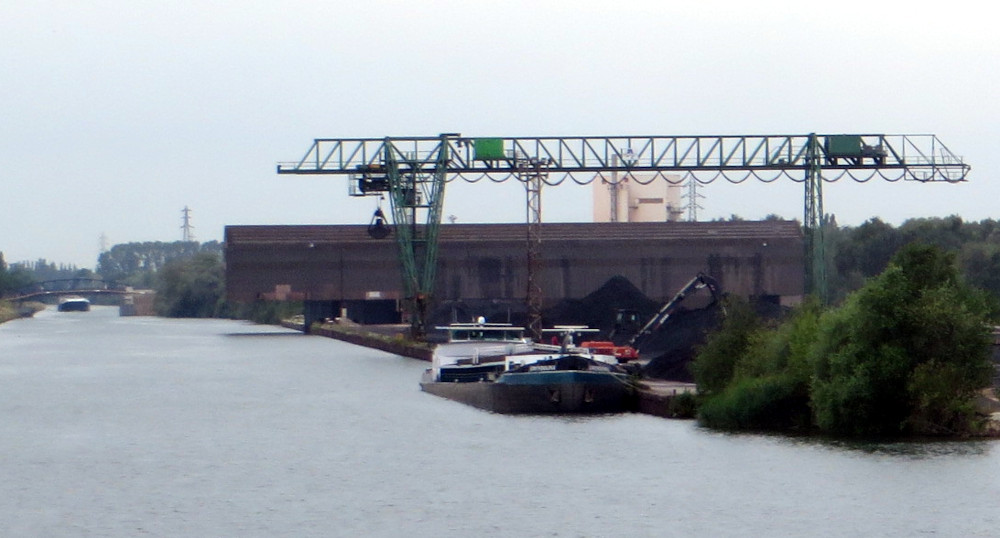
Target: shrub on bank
[(683, 405), (191, 287), (769, 384), (7, 311), (715, 365), (773, 402), (906, 354)]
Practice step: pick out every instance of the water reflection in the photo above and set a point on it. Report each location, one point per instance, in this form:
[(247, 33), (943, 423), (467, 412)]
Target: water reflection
[(909, 448), (915, 448)]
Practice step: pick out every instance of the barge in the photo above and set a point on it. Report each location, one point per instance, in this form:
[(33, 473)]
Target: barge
[(493, 367), (73, 303)]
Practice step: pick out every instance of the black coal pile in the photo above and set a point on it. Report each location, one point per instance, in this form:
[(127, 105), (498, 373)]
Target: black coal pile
[(600, 309), (672, 347), (669, 350)]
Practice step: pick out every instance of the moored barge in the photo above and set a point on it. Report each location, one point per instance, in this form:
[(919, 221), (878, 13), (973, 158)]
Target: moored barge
[(525, 378)]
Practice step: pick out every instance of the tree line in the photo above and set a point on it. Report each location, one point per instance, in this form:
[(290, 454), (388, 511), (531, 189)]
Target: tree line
[(139, 264), (20, 275), (855, 254)]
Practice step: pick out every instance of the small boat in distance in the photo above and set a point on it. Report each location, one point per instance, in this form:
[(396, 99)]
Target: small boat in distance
[(73, 303)]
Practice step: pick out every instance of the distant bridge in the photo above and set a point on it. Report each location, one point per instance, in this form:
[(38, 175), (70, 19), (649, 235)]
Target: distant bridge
[(65, 286)]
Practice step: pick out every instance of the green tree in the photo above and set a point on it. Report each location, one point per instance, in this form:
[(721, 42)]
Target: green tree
[(42, 270), (980, 263), (191, 287), (856, 254), (770, 381), (136, 264), (868, 249), (876, 358), (13, 279), (715, 364), (948, 234)]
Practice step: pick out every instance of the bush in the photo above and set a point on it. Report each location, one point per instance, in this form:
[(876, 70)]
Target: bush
[(775, 402), (905, 354), (770, 386), (683, 405), (191, 287), (267, 312), (7, 311), (715, 364)]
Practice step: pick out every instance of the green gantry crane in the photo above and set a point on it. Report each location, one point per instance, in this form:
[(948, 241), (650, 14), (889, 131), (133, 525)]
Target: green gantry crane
[(413, 172)]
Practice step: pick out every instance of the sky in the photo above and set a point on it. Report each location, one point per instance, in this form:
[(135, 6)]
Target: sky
[(115, 115)]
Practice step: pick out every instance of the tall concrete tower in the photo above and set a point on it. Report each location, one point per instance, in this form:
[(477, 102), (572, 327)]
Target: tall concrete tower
[(637, 198)]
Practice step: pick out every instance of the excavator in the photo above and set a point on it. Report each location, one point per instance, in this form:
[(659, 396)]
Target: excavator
[(630, 350)]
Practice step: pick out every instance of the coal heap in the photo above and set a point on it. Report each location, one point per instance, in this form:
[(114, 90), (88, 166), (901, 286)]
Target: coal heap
[(674, 345), (668, 350), (600, 308)]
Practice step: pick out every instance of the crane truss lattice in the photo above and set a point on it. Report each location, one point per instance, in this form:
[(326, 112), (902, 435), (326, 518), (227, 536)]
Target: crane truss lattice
[(586, 159)]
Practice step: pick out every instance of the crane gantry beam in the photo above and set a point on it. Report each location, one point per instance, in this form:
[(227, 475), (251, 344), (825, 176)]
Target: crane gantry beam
[(915, 157), (414, 171)]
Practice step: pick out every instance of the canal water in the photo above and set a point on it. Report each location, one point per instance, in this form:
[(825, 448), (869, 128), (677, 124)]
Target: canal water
[(115, 426)]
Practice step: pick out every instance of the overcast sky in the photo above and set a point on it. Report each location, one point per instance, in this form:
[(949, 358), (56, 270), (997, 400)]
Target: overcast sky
[(115, 115)]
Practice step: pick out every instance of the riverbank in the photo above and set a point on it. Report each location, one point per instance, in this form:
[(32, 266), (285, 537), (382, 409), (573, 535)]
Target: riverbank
[(667, 399), (9, 311)]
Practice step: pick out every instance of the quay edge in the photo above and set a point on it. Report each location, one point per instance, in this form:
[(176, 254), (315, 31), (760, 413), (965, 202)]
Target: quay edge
[(382, 338), (665, 399)]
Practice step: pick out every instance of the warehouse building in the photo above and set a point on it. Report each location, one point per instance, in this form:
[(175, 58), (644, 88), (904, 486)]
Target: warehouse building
[(341, 270)]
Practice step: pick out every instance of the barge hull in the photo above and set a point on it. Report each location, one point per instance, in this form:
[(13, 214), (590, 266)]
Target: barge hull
[(477, 394), (566, 395)]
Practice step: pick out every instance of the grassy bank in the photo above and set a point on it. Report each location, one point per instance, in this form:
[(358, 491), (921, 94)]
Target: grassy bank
[(9, 311)]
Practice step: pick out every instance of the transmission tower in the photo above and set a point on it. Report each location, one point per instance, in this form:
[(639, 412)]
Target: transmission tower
[(692, 196), (187, 228)]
